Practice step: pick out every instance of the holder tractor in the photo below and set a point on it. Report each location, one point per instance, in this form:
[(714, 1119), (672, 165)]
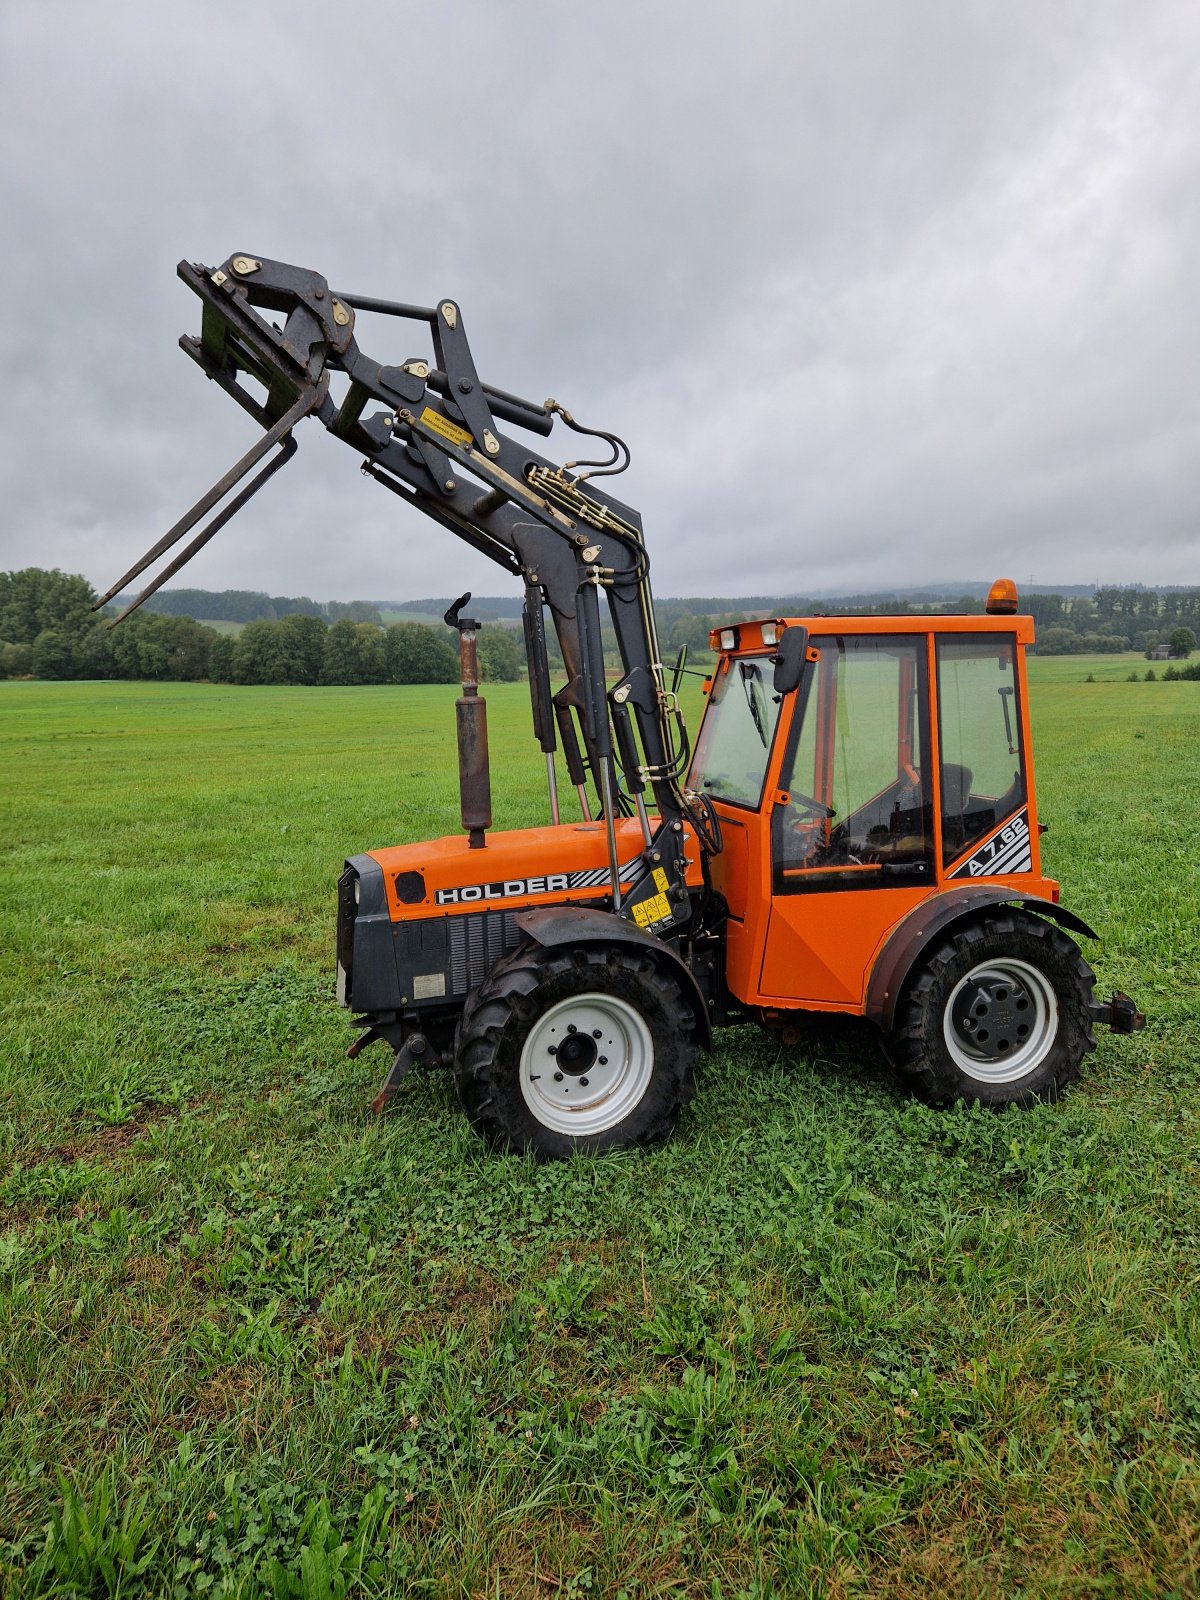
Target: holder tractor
[(855, 832)]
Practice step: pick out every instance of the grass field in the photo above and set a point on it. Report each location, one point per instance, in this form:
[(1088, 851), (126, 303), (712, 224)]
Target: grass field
[(254, 1342), (391, 615)]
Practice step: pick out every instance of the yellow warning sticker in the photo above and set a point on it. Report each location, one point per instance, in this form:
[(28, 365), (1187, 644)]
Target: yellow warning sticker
[(660, 879), (646, 913), (436, 423)]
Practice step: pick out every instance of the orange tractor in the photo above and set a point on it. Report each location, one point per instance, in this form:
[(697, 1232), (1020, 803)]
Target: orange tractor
[(855, 832)]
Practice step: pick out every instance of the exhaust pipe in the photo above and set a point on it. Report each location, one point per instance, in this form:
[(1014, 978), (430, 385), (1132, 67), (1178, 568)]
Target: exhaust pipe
[(470, 710)]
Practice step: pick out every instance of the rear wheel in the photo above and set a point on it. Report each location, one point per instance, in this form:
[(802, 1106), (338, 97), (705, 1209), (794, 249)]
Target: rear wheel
[(581, 1050), (998, 1014)]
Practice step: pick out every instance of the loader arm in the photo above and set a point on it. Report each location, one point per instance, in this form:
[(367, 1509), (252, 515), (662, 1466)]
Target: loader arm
[(434, 438)]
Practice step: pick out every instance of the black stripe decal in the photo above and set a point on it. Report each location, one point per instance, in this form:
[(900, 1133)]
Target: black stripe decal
[(1019, 851)]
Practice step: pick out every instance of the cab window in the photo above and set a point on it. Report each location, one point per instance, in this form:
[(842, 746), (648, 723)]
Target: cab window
[(979, 737), (739, 724), (857, 812)]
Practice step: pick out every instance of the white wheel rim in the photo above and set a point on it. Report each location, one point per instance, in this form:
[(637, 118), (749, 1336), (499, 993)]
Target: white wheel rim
[(586, 1064), (1000, 1020)]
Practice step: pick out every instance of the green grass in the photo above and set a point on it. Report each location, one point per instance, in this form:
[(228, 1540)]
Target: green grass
[(254, 1342), (1048, 670), (393, 615), (221, 626)]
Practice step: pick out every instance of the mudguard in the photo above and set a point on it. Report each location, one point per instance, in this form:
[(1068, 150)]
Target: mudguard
[(552, 926), (931, 919)]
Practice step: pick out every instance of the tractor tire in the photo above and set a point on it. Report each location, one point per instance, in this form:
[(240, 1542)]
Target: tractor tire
[(575, 1051), (998, 1014)]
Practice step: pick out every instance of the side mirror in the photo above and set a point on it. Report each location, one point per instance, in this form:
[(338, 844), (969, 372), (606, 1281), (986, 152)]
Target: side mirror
[(789, 660)]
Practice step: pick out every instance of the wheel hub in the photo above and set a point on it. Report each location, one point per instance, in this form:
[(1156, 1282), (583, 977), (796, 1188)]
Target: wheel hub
[(577, 1053), (586, 1063), (1001, 1020), (992, 1015)]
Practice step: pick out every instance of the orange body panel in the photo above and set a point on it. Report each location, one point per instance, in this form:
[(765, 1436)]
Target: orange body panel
[(515, 870), (732, 873), (820, 949)]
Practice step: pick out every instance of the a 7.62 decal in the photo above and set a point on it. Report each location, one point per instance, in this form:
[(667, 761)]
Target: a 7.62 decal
[(1007, 851)]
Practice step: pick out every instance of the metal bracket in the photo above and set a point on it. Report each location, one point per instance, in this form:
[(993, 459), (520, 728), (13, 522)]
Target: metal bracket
[(414, 1048), (1120, 1014)]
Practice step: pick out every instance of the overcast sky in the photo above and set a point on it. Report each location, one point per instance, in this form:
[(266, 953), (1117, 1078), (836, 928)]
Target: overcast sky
[(877, 292)]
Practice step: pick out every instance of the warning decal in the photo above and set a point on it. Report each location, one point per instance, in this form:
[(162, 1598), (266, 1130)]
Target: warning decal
[(656, 908), (437, 423)]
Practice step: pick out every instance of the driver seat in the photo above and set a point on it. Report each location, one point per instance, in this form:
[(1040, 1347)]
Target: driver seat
[(956, 797)]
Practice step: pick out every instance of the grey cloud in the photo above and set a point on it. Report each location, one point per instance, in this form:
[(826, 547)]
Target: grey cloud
[(877, 293)]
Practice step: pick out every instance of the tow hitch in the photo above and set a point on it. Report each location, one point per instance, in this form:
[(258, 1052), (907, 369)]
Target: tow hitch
[(1120, 1014)]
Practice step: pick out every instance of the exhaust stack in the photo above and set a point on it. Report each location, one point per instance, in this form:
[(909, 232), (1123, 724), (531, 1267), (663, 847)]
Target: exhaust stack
[(470, 709)]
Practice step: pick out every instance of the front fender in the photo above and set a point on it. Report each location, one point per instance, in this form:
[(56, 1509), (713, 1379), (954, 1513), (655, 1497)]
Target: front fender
[(915, 932), (552, 926)]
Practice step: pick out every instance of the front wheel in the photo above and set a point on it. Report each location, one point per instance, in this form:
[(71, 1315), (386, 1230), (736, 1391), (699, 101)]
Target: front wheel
[(998, 1014), (581, 1050)]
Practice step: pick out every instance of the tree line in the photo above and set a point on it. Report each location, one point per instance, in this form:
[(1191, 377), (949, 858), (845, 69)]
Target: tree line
[(1101, 622), (1114, 619), (48, 630), (248, 605)]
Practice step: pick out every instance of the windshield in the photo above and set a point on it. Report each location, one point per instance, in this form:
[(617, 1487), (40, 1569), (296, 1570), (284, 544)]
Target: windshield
[(735, 740)]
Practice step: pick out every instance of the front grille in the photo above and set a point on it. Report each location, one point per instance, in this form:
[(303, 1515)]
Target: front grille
[(477, 941)]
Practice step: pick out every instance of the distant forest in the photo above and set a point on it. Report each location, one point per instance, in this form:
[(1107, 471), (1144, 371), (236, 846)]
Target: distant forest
[(247, 605), (48, 630), (1075, 619)]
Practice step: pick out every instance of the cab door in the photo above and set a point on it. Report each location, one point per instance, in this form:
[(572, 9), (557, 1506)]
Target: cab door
[(730, 766), (852, 827)]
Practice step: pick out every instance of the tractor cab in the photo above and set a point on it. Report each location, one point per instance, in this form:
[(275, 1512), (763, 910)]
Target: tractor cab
[(894, 767)]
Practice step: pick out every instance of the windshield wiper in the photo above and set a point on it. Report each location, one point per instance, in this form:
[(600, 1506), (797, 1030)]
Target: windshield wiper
[(757, 702)]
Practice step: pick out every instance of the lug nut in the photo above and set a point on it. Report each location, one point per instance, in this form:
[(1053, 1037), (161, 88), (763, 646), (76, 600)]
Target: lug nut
[(552, 1050), (558, 1077), (596, 1033), (603, 1060), (583, 1083), (571, 1028)]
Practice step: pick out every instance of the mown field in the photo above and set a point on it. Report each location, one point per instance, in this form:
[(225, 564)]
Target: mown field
[(255, 1342)]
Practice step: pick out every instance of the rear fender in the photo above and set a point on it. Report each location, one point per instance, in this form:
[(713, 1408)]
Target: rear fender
[(927, 922), (555, 926)]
